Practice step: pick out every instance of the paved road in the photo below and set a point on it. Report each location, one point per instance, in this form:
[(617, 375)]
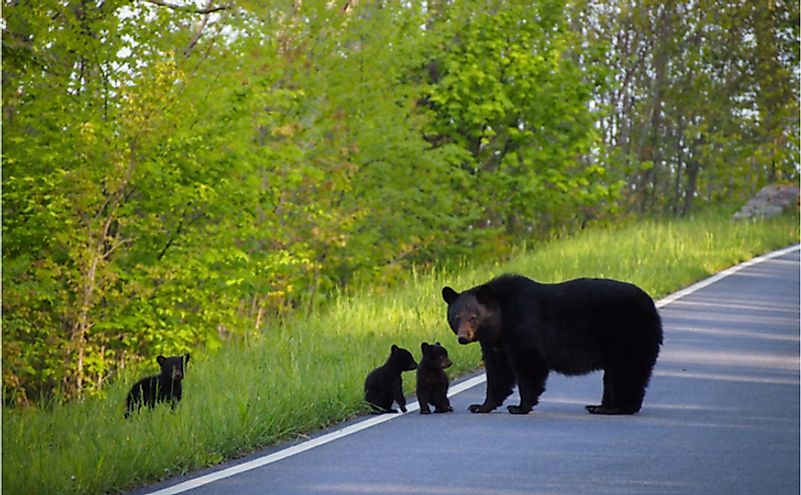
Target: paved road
[(721, 417)]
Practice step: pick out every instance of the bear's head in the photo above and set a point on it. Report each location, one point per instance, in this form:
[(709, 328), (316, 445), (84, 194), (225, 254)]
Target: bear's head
[(401, 359), (173, 366), (434, 356), (473, 315)]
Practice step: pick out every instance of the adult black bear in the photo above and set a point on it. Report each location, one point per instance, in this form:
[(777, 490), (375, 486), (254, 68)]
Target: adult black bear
[(164, 387), (432, 382), (526, 329), (384, 385)]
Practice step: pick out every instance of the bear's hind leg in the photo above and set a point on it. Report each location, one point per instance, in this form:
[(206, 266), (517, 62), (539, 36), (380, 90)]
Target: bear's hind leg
[(606, 400), (623, 393), (380, 401)]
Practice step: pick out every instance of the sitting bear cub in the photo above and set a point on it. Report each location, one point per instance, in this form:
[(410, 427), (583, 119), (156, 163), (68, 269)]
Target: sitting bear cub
[(164, 387), (383, 385), (432, 382)]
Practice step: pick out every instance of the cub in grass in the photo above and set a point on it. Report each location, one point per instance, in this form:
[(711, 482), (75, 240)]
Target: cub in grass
[(432, 382), (164, 387), (384, 385)]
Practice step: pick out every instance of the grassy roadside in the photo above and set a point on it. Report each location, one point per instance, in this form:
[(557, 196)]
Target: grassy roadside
[(308, 373)]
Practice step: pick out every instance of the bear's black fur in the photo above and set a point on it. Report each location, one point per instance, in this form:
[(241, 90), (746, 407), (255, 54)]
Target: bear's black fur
[(164, 387), (432, 382), (527, 329), (384, 385)]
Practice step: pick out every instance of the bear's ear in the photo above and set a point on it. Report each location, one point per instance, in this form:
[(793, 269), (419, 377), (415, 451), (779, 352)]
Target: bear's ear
[(394, 348), (424, 347), (160, 359), (449, 295)]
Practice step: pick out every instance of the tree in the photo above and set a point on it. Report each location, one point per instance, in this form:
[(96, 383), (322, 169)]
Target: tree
[(105, 172), (508, 91), (694, 107), (176, 174)]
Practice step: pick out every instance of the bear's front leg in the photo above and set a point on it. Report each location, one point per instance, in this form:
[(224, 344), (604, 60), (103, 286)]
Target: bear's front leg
[(422, 399), (444, 410), (531, 376), (443, 405), (500, 379), (482, 408), (398, 395)]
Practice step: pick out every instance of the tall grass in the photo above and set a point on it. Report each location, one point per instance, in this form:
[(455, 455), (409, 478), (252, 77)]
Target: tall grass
[(308, 372)]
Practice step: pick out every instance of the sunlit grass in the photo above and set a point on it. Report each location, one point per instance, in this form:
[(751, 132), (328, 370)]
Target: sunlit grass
[(308, 372)]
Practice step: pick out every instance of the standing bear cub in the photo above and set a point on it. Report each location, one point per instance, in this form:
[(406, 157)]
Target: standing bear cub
[(527, 329), (164, 387), (384, 385), (432, 382)]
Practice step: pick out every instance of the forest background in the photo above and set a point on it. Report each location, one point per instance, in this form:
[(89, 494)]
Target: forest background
[(176, 176)]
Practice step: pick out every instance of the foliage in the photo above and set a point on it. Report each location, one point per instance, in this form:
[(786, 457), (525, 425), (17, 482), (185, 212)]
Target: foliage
[(114, 181), (506, 88), (703, 99), (177, 176)]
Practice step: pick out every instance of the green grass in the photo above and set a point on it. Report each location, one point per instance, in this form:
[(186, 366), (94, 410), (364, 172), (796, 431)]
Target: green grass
[(308, 373)]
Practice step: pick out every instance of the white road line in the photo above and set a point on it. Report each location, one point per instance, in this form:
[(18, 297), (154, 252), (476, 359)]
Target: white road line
[(310, 444), (725, 273), (414, 406)]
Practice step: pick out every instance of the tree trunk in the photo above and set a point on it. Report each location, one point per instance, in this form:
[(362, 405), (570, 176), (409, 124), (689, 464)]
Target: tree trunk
[(649, 145), (693, 168)]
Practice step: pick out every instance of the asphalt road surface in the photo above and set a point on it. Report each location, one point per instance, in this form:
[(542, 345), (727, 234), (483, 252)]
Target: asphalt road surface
[(721, 416)]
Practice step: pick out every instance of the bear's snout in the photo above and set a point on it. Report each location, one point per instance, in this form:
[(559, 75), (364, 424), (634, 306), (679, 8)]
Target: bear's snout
[(466, 334)]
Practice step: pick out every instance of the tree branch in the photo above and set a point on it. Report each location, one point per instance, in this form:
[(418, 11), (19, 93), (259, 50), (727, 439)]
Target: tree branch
[(185, 221), (199, 31), (209, 9)]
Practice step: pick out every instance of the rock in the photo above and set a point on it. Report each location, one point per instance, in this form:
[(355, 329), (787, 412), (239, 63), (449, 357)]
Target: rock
[(770, 201)]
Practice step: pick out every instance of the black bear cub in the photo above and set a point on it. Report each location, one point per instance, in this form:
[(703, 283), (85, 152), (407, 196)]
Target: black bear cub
[(527, 329), (383, 385), (164, 387), (432, 382)]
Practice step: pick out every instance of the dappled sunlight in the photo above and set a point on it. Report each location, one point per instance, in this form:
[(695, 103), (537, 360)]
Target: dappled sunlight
[(733, 303), (715, 423), (763, 274), (618, 486), (737, 318), (689, 415), (730, 358), (694, 375), (422, 488), (692, 408), (758, 271), (677, 410), (729, 332)]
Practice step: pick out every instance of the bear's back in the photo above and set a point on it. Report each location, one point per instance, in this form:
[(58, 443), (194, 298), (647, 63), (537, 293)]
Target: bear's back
[(578, 324)]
